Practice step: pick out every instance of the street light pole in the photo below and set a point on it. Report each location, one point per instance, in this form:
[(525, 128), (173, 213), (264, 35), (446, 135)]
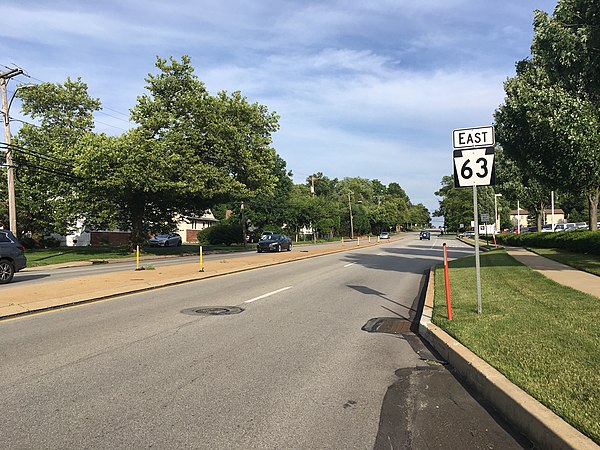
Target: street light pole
[(351, 224), (496, 218), (243, 224)]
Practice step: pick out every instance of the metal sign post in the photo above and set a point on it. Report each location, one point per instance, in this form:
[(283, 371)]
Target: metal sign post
[(474, 166), (477, 265)]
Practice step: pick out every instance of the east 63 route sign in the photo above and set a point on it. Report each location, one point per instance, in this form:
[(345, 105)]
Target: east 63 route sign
[(474, 167)]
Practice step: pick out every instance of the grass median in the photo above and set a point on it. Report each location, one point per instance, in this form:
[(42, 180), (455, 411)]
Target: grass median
[(542, 336)]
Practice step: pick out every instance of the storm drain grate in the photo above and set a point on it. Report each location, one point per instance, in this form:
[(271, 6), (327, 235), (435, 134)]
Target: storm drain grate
[(392, 325), (213, 311)]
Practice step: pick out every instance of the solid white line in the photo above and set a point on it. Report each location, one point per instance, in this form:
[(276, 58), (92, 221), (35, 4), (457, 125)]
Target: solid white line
[(267, 295), (348, 265)]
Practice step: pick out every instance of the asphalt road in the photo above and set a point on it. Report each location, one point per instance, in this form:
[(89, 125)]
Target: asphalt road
[(294, 369)]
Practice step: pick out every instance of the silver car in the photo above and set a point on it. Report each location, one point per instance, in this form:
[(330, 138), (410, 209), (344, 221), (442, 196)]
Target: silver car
[(165, 240), (12, 257)]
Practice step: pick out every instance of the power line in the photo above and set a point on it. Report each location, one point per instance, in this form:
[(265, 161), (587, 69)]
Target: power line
[(25, 74), (35, 153)]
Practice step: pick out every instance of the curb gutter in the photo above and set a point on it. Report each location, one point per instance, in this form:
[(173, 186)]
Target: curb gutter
[(534, 420)]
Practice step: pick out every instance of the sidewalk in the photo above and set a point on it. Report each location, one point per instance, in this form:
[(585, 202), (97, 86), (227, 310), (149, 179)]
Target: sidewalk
[(577, 279)]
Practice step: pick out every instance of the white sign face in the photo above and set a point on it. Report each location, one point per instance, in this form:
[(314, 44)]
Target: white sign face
[(474, 167), (473, 137)]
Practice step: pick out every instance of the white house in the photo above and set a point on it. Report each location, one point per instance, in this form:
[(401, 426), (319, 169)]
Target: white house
[(188, 227), (559, 217)]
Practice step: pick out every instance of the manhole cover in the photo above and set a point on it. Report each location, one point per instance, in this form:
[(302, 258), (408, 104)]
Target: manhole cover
[(393, 325), (213, 311)]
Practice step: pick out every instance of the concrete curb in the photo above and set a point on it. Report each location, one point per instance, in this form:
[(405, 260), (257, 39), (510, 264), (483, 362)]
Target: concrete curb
[(538, 423)]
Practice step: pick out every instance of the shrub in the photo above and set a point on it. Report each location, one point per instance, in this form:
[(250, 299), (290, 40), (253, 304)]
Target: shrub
[(221, 234), (29, 243), (581, 241), (49, 242)]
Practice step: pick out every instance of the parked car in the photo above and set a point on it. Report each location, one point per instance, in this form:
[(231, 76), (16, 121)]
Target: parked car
[(165, 240), (547, 228), (468, 234), (384, 235), (266, 234), (274, 243), (12, 256), (560, 227), (424, 235)]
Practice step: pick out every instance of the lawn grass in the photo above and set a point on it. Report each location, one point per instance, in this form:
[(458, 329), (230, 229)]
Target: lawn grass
[(542, 336), (580, 261)]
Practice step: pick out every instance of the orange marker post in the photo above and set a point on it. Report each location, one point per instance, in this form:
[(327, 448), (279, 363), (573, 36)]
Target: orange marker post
[(447, 280)]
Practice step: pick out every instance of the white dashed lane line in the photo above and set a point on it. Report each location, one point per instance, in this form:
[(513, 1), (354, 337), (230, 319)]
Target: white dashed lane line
[(268, 294)]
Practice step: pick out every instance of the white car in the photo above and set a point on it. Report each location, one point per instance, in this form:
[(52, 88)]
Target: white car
[(165, 240)]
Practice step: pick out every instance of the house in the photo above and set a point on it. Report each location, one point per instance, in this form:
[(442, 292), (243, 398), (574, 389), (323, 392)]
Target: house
[(559, 217), (81, 236), (188, 227)]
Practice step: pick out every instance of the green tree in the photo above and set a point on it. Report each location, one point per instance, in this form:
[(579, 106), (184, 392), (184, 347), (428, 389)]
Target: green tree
[(271, 209), (190, 151), (456, 204), (419, 214), (47, 192), (550, 121)]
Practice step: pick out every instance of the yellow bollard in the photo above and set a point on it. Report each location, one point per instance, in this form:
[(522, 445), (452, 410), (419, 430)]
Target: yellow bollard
[(377, 238), (137, 258), (369, 239), (358, 241), (201, 265)]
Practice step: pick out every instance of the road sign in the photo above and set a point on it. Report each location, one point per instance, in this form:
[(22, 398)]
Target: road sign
[(485, 218), (474, 167), (473, 137)]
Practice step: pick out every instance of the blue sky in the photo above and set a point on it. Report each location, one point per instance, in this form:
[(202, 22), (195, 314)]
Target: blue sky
[(364, 88)]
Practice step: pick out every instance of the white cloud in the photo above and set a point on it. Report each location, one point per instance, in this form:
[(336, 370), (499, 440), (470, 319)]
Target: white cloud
[(368, 88)]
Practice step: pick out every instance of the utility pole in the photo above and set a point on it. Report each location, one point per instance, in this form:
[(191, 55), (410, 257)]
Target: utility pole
[(12, 210), (312, 184)]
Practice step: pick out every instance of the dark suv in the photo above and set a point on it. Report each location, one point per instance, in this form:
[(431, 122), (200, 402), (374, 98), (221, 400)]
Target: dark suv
[(12, 257)]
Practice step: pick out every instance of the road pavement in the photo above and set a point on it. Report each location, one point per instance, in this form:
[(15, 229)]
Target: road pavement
[(417, 424)]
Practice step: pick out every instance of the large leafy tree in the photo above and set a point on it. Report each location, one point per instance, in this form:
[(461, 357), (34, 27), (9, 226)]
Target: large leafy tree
[(516, 184), (270, 209), (418, 214), (190, 151), (550, 121), (456, 205), (47, 190)]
